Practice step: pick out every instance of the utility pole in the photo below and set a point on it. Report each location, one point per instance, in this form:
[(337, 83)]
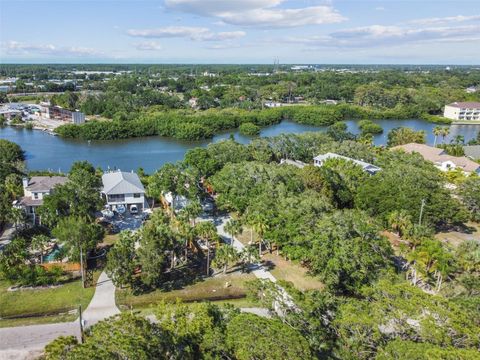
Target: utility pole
[(81, 267), (82, 339), (421, 212)]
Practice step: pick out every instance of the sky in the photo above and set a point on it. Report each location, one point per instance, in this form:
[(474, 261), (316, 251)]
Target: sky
[(240, 31)]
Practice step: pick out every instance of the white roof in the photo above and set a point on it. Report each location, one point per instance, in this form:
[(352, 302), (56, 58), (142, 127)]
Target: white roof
[(366, 166), (119, 182)]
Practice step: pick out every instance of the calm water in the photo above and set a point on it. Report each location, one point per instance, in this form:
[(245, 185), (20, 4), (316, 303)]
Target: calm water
[(51, 152)]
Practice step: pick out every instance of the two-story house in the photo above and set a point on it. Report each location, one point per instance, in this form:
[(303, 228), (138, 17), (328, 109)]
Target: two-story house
[(123, 191), (35, 190)]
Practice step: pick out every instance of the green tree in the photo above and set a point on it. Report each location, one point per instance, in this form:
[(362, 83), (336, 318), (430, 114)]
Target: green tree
[(252, 337), (121, 262), (469, 191), (403, 135), (207, 232), (225, 256)]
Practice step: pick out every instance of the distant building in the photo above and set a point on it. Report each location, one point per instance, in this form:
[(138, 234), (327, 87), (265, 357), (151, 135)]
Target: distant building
[(440, 158), (462, 111), (35, 190), (471, 89), (58, 113), (123, 190), (273, 104), (369, 168)]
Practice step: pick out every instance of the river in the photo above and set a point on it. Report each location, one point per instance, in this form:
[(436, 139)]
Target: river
[(44, 151)]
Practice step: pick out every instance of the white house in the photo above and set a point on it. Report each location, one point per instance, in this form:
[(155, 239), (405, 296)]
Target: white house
[(462, 111), (369, 168), (35, 190), (123, 190), (440, 158)]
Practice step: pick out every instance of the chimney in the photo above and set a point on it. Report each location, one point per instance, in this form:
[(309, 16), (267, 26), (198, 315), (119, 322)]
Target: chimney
[(25, 182)]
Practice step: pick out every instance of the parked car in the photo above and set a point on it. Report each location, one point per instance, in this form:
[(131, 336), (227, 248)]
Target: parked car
[(133, 209)]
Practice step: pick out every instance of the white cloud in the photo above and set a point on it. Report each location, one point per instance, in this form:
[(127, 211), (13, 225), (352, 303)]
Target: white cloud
[(380, 35), (18, 48), (445, 20), (258, 13), (194, 33), (148, 46)]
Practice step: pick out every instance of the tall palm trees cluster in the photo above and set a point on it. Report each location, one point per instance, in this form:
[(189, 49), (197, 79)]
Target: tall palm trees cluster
[(440, 131)]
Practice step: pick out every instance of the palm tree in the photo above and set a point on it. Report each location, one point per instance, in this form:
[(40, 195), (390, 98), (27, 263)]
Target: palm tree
[(437, 130), (224, 256), (233, 227), (400, 221), (17, 217), (193, 209), (445, 131), (260, 226), (249, 255), (207, 232)]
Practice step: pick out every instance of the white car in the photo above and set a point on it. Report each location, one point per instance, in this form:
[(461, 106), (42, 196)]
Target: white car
[(133, 209)]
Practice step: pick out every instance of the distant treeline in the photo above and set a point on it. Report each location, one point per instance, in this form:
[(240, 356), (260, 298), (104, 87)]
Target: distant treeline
[(191, 125)]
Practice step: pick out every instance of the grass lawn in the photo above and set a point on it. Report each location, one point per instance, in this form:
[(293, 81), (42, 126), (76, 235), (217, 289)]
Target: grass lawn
[(110, 239), (295, 273), (43, 305), (209, 289), (283, 269), (471, 231)]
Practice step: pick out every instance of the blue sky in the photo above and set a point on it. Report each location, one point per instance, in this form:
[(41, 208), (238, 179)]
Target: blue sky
[(241, 31)]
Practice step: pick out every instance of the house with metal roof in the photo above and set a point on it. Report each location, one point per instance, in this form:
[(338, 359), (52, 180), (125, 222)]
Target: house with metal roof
[(369, 168), (123, 191)]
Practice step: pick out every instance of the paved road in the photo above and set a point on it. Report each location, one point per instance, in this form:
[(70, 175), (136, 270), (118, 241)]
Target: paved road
[(27, 342)]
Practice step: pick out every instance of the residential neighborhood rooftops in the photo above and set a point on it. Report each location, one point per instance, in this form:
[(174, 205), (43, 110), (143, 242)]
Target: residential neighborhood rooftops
[(439, 156), (466, 105), (472, 151), (318, 160), (44, 183), (120, 182)]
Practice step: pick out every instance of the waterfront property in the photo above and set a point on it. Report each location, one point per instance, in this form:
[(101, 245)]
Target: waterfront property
[(35, 190), (369, 168), (58, 113), (462, 111), (123, 191), (440, 158)]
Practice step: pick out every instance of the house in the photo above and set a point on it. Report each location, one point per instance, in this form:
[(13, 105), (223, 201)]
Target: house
[(440, 158), (462, 111), (472, 151), (369, 168), (296, 163), (35, 190), (123, 191)]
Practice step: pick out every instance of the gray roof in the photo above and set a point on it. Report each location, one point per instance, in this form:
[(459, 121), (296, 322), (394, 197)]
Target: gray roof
[(44, 183), (119, 182), (472, 151), (366, 166)]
